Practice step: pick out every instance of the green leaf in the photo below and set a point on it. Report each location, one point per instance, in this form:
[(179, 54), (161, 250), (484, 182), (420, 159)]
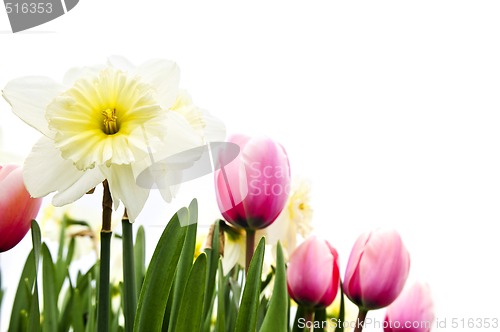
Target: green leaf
[(77, 311), (320, 317), (129, 284), (233, 296), (184, 265), (221, 303), (247, 316), (191, 306), (340, 321), (160, 275), (50, 311), (140, 258), (301, 313), (90, 296), (36, 238), (34, 310), (261, 312), (23, 293), (277, 314), (213, 264)]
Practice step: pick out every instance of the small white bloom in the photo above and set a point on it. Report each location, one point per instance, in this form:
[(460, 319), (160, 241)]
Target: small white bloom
[(294, 222)]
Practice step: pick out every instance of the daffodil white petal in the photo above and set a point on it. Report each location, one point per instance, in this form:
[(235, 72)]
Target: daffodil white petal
[(169, 193), (76, 73), (123, 188), (214, 130), (46, 171), (121, 63), (178, 137), (233, 254), (84, 184), (29, 96), (164, 75)]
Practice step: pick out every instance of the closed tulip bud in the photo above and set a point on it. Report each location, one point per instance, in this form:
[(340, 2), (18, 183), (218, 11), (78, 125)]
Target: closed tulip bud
[(413, 311), (252, 190), (17, 208), (377, 269), (313, 274)]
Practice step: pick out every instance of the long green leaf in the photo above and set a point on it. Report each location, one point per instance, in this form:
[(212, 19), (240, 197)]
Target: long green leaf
[(277, 314), (67, 306), (191, 307), (213, 264), (301, 313), (23, 293), (50, 311), (184, 265), (34, 311), (140, 258), (320, 320), (247, 316), (129, 284), (340, 320), (220, 324), (160, 275)]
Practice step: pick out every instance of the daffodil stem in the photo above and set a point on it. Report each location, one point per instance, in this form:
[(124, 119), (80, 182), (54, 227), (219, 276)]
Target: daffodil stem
[(103, 300), (129, 285), (250, 247), (360, 322)]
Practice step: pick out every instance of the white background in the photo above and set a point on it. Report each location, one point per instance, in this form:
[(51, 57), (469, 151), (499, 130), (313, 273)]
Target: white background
[(391, 108)]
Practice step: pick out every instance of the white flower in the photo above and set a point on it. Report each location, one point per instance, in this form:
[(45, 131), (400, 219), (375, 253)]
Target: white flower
[(98, 125), (294, 222)]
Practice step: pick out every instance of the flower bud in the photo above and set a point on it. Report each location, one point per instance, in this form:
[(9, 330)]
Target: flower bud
[(17, 208), (413, 311), (252, 190), (377, 269), (313, 273)]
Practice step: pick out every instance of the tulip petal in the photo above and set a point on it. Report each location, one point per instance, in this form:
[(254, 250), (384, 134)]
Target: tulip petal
[(413, 305), (385, 254), (352, 282), (46, 171), (268, 176), (123, 188), (29, 96), (310, 271)]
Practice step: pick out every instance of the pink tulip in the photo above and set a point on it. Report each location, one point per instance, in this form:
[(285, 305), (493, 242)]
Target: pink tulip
[(377, 269), (252, 190), (413, 311), (313, 273), (17, 208)]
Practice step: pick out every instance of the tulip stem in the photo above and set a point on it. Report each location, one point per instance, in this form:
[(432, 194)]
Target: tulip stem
[(250, 246), (129, 286), (103, 300), (360, 322), (309, 318)]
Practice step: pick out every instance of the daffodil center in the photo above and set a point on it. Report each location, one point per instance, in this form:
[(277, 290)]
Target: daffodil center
[(110, 125)]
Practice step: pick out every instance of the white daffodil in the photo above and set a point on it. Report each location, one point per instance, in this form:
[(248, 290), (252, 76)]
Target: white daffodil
[(294, 222), (97, 125)]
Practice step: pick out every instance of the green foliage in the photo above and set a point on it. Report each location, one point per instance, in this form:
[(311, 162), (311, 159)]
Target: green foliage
[(174, 292)]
